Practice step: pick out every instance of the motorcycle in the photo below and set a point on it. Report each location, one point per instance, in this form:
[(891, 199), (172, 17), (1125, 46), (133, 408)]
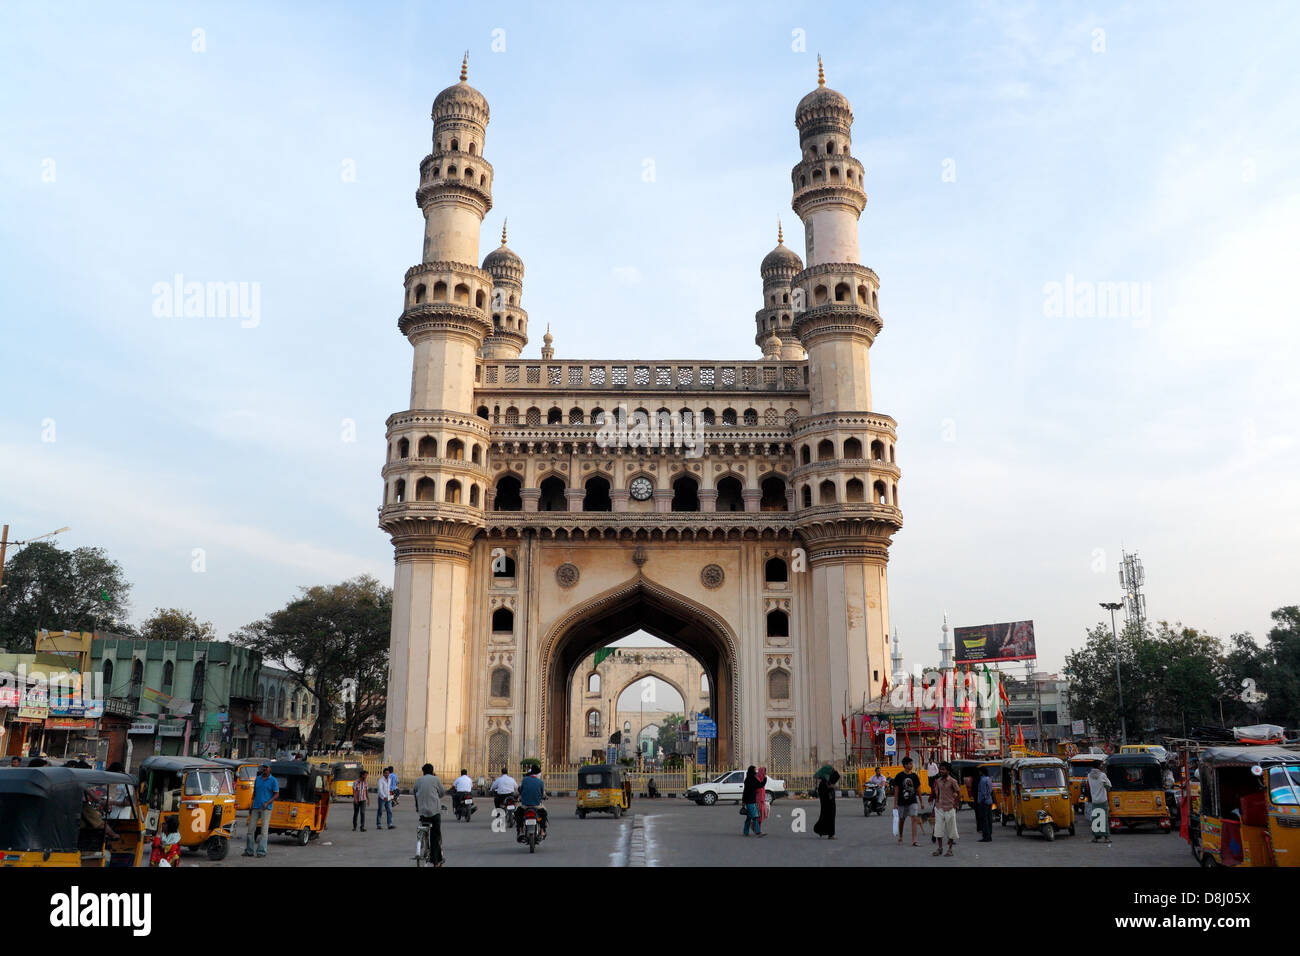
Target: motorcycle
[(508, 804), (873, 800), (534, 830), (465, 809)]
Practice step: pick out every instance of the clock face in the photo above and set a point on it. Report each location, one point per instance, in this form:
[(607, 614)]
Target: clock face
[(641, 488)]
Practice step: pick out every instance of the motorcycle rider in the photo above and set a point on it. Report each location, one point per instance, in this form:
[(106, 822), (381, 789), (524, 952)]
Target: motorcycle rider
[(880, 781), (531, 794), (502, 787), (461, 787)]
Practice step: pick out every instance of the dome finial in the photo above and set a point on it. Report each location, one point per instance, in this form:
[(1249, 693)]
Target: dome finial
[(464, 67), (504, 223), (780, 237), (821, 74)]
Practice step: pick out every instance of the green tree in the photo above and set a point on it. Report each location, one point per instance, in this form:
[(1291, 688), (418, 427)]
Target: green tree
[(47, 587), (668, 740), (326, 636), (1241, 679), (1280, 679), (1091, 670), (175, 624)]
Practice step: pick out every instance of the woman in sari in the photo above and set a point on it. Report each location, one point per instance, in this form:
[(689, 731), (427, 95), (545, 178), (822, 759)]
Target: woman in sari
[(760, 795)]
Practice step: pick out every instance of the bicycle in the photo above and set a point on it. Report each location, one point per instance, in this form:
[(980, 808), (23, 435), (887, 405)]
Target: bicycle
[(424, 846)]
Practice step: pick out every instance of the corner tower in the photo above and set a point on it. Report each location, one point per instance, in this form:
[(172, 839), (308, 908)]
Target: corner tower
[(778, 269), (845, 475), (509, 320), (435, 479)]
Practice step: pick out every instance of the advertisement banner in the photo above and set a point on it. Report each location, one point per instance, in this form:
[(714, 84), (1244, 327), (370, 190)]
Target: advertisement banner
[(69, 723), (995, 642), (171, 728), (142, 727), (155, 697)]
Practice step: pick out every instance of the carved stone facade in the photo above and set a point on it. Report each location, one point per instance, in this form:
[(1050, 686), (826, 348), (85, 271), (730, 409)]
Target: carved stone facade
[(540, 508)]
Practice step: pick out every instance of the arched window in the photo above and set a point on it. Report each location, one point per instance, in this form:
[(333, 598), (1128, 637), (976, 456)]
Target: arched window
[(512, 416), (686, 494), (852, 448), (728, 416), (779, 751), (778, 684), (462, 293), (476, 454), (778, 624), (169, 675), (841, 292), (480, 298), (403, 448), (420, 291), (704, 684), (500, 684), (553, 498), (575, 416), (507, 496), (456, 449), (730, 497), (593, 683), (880, 493), (805, 455), (108, 678), (774, 498), (280, 705), (399, 490), (877, 450), (597, 496), (533, 416), (137, 677), (555, 417), (498, 748), (776, 571), (826, 493), (708, 417), (854, 490), (807, 496), (483, 413), (425, 490), (593, 723), (473, 496), (863, 298), (825, 450), (819, 295), (598, 416), (451, 495), (503, 566), (751, 417), (440, 291), (428, 447)]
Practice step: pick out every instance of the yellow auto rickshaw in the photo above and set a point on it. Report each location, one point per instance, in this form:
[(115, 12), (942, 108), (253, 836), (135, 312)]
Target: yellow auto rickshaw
[(602, 788), (244, 770), (303, 803), (1080, 765), (200, 792), (1035, 795), (58, 816), (1249, 808), (1137, 792), (345, 773)]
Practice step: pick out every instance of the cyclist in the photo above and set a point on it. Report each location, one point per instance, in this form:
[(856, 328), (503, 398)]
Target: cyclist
[(531, 794), (428, 795)]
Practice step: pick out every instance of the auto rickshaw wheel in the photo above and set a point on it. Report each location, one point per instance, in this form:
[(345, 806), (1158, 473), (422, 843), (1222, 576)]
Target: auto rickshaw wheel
[(1049, 832), (618, 811), (218, 848), (304, 836)]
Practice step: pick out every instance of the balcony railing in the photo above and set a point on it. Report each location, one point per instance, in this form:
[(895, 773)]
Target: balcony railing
[(665, 376)]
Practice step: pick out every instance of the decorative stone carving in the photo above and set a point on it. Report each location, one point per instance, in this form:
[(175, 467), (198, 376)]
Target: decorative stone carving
[(566, 575), (712, 576)]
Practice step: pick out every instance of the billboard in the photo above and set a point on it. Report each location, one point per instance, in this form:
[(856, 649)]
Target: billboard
[(995, 642)]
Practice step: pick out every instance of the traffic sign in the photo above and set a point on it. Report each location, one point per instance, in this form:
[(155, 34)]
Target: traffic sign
[(706, 729), (891, 744)]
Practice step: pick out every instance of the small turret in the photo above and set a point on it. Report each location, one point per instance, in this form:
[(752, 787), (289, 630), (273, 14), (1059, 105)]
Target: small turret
[(778, 269)]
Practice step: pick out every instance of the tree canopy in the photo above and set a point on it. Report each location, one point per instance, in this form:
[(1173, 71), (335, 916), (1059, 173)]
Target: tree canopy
[(175, 624), (326, 636), (47, 587)]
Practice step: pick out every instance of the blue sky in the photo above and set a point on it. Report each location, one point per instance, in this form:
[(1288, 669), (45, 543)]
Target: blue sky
[(1032, 445)]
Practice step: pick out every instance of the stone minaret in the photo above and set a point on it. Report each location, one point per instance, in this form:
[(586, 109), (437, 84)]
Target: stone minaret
[(509, 320), (778, 269), (435, 479), (847, 497)]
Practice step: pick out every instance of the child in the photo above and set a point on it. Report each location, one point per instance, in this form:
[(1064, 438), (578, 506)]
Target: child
[(167, 845)]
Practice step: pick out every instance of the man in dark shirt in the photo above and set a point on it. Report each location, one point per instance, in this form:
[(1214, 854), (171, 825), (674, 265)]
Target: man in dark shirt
[(907, 799), (532, 791)]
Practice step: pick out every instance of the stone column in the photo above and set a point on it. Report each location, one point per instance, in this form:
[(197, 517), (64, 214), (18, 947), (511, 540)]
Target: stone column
[(708, 499), (752, 498), (530, 496), (618, 498), (663, 499)]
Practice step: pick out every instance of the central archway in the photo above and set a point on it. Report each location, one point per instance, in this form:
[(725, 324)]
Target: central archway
[(639, 605)]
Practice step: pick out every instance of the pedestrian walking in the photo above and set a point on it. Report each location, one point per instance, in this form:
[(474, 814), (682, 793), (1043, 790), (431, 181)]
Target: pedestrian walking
[(384, 801), (749, 804), (360, 800), (1099, 805), (825, 825), (907, 799), (265, 790), (393, 788), (984, 806), (760, 795), (946, 796)]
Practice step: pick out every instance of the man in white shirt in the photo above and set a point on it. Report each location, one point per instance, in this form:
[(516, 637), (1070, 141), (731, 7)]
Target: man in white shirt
[(385, 803), (1099, 803), (502, 787), (461, 787)]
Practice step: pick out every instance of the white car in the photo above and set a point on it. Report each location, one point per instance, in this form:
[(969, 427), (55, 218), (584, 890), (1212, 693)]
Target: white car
[(730, 786)]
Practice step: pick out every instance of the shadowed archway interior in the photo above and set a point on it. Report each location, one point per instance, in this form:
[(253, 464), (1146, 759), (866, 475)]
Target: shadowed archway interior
[(639, 608)]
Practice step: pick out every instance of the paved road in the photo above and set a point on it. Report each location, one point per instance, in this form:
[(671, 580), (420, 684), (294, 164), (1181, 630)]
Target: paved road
[(670, 832)]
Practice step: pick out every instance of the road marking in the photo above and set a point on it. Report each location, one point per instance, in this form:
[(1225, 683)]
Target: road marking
[(650, 847), (620, 855), (636, 852)]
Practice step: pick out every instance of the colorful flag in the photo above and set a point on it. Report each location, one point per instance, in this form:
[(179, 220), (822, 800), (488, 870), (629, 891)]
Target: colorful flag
[(884, 689)]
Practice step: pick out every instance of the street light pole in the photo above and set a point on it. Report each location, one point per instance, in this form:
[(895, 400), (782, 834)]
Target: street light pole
[(1119, 687)]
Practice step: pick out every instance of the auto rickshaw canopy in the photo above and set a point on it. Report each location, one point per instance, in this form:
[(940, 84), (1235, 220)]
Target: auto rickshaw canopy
[(1135, 771), (344, 769), (600, 776), (299, 781), (40, 807), (1247, 756)]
